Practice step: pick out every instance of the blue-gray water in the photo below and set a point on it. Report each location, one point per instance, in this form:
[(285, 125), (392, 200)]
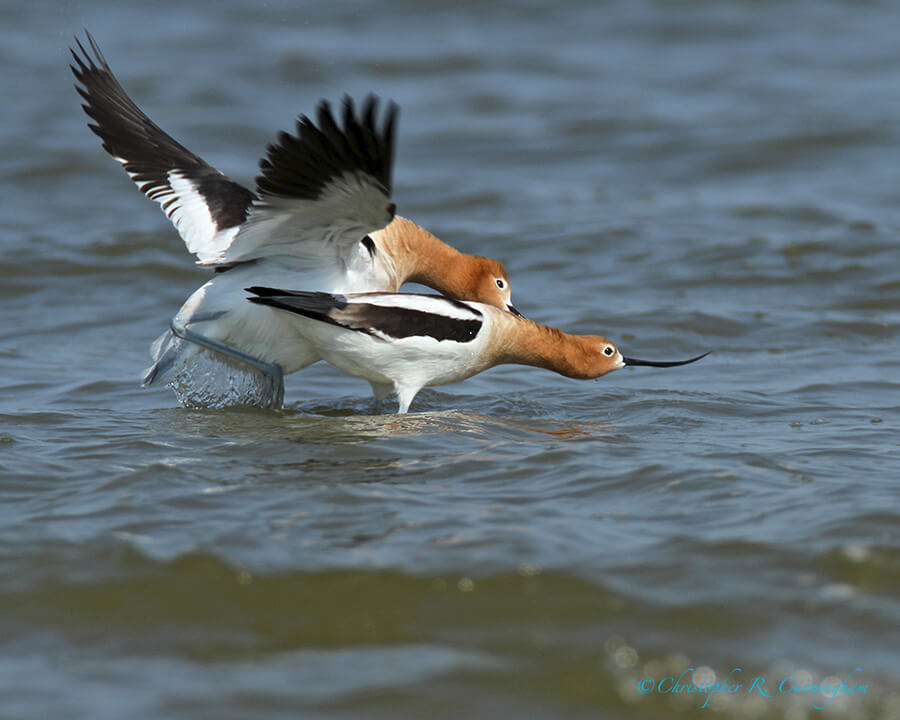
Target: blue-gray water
[(679, 176)]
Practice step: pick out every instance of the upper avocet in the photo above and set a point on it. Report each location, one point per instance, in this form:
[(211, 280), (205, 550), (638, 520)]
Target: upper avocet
[(321, 219)]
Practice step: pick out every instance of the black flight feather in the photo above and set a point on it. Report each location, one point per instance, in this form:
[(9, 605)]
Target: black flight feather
[(148, 153), (301, 165)]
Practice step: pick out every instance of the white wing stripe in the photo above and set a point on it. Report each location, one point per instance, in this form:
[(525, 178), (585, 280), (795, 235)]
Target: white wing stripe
[(190, 213), (433, 304)]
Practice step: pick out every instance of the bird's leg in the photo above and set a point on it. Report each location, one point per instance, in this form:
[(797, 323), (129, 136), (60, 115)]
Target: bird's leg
[(381, 391)]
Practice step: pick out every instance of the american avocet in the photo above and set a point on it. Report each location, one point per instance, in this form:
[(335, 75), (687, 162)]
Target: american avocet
[(403, 342), (321, 219)]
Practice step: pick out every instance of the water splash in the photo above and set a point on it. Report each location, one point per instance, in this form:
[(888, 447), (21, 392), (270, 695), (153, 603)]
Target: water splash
[(209, 381)]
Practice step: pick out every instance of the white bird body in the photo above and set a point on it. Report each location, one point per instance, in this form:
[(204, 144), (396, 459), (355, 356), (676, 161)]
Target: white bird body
[(406, 365), (404, 342)]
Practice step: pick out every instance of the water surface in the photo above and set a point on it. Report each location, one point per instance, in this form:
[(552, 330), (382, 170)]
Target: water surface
[(679, 176)]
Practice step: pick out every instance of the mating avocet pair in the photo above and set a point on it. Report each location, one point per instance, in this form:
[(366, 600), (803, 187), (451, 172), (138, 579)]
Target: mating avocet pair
[(321, 223)]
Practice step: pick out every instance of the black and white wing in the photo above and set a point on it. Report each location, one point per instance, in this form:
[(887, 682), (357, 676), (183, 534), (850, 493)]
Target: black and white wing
[(388, 316), (206, 207), (323, 189)]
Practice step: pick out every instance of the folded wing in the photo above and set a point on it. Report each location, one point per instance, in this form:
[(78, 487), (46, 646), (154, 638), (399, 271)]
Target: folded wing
[(388, 316)]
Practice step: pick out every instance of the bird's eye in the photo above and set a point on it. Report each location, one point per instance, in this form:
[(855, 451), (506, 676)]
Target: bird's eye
[(501, 283), (609, 351)]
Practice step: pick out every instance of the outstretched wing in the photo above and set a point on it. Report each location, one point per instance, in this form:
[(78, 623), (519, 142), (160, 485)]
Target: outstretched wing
[(206, 207), (323, 189), (388, 316)]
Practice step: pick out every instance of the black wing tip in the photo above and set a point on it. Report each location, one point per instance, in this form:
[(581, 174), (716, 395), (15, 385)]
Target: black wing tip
[(315, 305), (301, 165), (93, 75), (148, 153), (88, 62), (266, 295), (262, 291)]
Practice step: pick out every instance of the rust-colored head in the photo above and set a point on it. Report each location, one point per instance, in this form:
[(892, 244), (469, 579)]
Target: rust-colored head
[(420, 257), (583, 357), (488, 283), (603, 356)]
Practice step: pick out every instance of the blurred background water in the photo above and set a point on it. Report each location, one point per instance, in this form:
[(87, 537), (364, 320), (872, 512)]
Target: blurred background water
[(679, 176)]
